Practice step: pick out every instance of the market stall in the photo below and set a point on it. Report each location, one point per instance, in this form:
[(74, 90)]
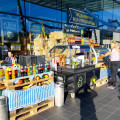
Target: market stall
[(75, 61), (29, 87)]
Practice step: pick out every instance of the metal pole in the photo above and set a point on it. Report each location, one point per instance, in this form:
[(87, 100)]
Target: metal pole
[(61, 14), (22, 21), (25, 27)]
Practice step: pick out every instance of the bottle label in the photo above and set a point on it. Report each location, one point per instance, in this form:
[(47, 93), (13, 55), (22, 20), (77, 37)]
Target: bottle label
[(10, 72), (15, 71), (48, 66), (22, 70), (41, 67), (26, 70)]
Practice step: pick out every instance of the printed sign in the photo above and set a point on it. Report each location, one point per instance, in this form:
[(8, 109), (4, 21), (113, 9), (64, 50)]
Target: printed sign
[(9, 30), (72, 30), (79, 81), (35, 31), (80, 18)]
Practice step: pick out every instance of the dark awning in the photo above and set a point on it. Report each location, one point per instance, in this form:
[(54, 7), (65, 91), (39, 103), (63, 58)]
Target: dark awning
[(93, 5)]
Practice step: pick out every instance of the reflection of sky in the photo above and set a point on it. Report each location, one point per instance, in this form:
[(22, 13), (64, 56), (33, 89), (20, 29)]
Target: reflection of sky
[(50, 14)]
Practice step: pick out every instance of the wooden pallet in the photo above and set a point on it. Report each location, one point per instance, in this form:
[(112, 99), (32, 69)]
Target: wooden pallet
[(9, 85), (101, 82), (31, 110)]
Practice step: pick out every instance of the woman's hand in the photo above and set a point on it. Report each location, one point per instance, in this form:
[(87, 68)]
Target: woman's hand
[(103, 55)]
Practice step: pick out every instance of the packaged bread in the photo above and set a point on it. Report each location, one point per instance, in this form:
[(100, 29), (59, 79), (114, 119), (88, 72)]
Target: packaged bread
[(63, 59)]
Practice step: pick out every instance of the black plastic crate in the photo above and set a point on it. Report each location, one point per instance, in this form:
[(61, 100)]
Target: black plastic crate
[(40, 59), (24, 60)]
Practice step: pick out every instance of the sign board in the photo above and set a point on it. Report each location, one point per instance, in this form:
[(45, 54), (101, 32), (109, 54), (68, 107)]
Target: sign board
[(28, 46), (9, 30), (15, 47), (70, 30), (35, 30), (80, 18), (79, 81)]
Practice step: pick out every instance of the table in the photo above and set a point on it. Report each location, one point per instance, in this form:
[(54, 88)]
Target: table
[(77, 78)]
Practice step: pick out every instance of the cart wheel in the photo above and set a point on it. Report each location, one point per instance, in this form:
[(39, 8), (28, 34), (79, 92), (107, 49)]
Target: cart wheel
[(72, 95)]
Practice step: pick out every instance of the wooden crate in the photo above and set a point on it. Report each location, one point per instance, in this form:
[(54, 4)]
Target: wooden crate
[(9, 85), (101, 82), (29, 111)]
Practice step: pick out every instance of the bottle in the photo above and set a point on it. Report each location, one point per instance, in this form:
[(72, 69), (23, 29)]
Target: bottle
[(18, 71), (41, 71), (39, 68), (1, 72), (13, 73), (36, 68), (6, 74), (45, 66), (48, 67), (22, 71), (28, 70), (31, 69), (10, 73), (25, 71)]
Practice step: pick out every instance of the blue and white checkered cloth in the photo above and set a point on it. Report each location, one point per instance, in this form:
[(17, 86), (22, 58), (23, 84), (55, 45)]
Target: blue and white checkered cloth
[(104, 73), (21, 98)]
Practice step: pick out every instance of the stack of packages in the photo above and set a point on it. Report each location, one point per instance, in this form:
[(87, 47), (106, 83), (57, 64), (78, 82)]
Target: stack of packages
[(38, 46), (62, 60), (41, 46), (57, 37)]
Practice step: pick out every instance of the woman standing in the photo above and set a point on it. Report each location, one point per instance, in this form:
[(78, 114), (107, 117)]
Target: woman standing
[(114, 64)]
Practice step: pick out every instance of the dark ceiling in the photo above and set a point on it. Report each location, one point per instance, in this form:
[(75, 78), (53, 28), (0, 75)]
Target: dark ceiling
[(93, 5)]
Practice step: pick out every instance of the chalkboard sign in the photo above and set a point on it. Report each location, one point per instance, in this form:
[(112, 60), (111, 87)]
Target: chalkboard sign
[(9, 30), (79, 81), (80, 18)]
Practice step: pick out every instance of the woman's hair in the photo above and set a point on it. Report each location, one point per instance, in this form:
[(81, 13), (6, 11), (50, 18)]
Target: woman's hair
[(11, 52), (115, 45)]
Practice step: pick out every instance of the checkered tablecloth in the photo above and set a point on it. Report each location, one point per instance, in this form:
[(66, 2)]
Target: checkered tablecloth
[(21, 98)]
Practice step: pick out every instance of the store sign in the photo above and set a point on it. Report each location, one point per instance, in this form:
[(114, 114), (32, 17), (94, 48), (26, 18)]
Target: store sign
[(35, 31), (76, 47), (80, 18), (9, 30), (72, 30), (79, 81)]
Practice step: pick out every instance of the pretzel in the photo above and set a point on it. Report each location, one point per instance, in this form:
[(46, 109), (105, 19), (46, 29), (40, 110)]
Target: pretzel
[(91, 42)]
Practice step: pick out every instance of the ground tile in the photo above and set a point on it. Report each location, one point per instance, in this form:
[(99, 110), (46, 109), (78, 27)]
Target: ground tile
[(99, 115), (66, 106), (85, 114), (95, 106), (75, 117), (56, 117), (113, 117), (114, 105), (65, 113), (117, 112), (73, 109), (35, 117), (50, 112), (103, 101), (81, 105), (109, 109)]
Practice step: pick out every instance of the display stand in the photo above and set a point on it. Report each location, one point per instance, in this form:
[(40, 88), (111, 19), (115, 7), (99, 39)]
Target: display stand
[(38, 97), (82, 77)]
